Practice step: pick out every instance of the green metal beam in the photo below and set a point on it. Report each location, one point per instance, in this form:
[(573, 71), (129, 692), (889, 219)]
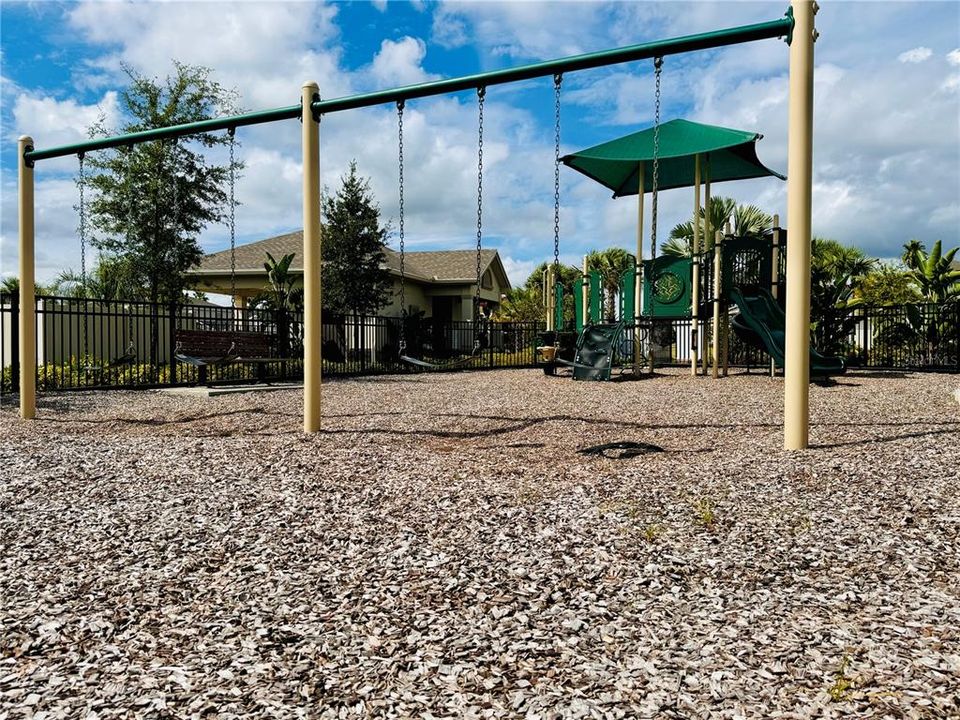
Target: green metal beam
[(164, 133), (659, 48), (782, 27)]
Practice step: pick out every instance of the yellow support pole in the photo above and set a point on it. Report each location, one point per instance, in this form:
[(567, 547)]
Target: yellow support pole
[(637, 286), (551, 298), (704, 356), (725, 325), (775, 274), (775, 258), (28, 300), (312, 256), (717, 279), (695, 271), (796, 400), (585, 291)]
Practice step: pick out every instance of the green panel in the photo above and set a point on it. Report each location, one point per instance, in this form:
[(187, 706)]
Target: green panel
[(747, 263), (616, 164), (578, 304), (627, 295), (667, 287), (558, 306), (595, 297)]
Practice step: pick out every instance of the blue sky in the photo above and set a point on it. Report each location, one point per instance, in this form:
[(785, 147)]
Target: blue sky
[(887, 114)]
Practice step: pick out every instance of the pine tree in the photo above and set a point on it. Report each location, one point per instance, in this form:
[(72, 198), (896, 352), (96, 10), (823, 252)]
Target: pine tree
[(355, 280)]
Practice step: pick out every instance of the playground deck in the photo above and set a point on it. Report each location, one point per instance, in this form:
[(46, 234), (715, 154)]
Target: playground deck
[(443, 548)]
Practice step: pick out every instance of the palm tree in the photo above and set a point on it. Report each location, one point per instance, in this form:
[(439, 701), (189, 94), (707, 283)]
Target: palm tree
[(611, 263), (933, 271), (283, 291), (114, 277), (746, 220), (12, 285), (835, 273)]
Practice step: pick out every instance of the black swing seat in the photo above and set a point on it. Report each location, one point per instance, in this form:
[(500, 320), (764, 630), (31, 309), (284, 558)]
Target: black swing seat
[(458, 362), (479, 345), (127, 358)]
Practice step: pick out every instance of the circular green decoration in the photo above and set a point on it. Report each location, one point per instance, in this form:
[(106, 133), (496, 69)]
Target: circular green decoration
[(667, 287)]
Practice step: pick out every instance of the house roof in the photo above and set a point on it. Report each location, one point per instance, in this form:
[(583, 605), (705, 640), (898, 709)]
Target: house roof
[(436, 266)]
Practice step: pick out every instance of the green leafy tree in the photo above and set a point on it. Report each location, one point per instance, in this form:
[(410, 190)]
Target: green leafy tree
[(886, 285), (526, 303), (746, 221), (932, 271), (151, 200), (922, 332), (835, 273), (354, 277), (611, 263)]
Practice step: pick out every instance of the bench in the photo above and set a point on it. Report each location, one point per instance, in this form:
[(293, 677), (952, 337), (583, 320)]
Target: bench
[(202, 348)]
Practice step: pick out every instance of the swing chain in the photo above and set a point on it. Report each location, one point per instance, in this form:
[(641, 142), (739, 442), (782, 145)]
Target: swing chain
[(233, 229), (557, 81), (403, 299), (82, 184), (481, 94), (132, 205), (176, 190), (658, 66)]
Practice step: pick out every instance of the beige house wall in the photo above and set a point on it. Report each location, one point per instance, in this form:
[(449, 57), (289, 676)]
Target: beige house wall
[(418, 294)]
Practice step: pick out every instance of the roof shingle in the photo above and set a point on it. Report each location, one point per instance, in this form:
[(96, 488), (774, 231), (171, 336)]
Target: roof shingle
[(430, 266)]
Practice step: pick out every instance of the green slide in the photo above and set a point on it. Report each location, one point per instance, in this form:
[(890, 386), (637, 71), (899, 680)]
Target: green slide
[(595, 350), (761, 323)]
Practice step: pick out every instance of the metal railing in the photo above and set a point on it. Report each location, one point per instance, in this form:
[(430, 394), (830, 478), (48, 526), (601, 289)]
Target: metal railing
[(87, 343)]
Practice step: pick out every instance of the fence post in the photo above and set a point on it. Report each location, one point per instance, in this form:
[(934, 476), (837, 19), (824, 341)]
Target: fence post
[(172, 341), (490, 343), (15, 341), (363, 344)]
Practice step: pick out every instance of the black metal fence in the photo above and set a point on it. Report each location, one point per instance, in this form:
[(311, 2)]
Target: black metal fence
[(86, 343)]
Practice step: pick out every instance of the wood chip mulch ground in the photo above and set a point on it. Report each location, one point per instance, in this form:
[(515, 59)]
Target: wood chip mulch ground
[(489, 544)]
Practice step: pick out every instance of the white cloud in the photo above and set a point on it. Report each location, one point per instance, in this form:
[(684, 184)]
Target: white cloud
[(885, 148), (267, 49), (916, 55), (400, 63), (52, 122)]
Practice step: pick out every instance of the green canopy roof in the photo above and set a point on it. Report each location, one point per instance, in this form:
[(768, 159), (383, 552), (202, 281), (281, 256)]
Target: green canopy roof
[(616, 164)]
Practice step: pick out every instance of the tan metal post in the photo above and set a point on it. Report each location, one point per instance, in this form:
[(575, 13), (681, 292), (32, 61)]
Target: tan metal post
[(637, 286), (695, 271), (717, 289), (725, 322), (585, 289), (775, 258), (551, 298), (775, 274), (312, 258), (707, 234), (796, 401), (28, 300)]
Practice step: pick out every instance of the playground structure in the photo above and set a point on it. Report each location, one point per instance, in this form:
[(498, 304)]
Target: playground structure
[(676, 154), (797, 27), (734, 269)]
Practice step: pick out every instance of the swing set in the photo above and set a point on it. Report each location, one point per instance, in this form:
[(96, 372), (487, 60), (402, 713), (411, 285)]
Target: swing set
[(796, 27)]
